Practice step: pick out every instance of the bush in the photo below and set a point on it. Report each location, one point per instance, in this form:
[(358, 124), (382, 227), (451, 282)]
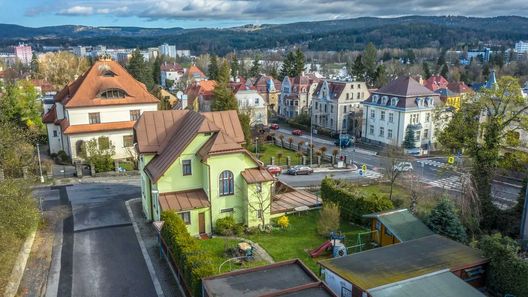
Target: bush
[(352, 203), (507, 272), (19, 213), (227, 227), (128, 166), (444, 220), (328, 219), (63, 158), (283, 222), (193, 262)]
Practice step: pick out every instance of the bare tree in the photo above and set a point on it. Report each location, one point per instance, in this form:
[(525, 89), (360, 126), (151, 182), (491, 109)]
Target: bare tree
[(392, 156), (469, 204), (260, 204)]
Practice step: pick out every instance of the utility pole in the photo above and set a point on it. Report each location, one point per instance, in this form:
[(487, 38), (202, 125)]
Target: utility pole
[(40, 164), (256, 147)]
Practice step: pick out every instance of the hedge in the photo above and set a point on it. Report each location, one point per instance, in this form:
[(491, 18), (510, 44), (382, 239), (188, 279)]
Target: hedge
[(352, 203), (194, 264)]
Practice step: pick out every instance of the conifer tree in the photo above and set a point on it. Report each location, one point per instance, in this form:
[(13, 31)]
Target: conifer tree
[(212, 69), (255, 67), (409, 142), (358, 69), (140, 70), (234, 67), (224, 99), (298, 63), (156, 70), (426, 70), (444, 220)]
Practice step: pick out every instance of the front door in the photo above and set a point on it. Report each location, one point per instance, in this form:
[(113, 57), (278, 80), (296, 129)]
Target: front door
[(201, 222)]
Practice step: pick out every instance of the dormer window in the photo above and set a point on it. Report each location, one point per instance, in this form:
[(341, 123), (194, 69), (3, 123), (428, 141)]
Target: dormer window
[(419, 102), (375, 98), (112, 94), (429, 101), (384, 100), (394, 101), (109, 73)]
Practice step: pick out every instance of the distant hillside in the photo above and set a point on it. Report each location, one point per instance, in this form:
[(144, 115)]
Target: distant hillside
[(335, 35)]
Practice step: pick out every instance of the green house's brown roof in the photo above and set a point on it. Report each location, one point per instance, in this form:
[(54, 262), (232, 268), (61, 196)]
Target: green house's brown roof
[(397, 262), (402, 224)]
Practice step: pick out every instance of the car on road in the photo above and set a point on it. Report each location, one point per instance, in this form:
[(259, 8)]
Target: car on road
[(274, 169), (297, 132), (274, 126), (403, 167), (300, 169)]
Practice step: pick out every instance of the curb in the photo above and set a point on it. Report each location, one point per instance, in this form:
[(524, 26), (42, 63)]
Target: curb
[(20, 266), (52, 284), (148, 261)]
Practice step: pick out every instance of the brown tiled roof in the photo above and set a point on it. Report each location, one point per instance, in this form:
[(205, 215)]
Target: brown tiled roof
[(85, 90), (51, 116), (195, 70), (459, 87), (228, 122), (153, 127), (256, 175), (172, 67), (90, 128), (335, 88), (220, 143), (184, 200), (405, 86)]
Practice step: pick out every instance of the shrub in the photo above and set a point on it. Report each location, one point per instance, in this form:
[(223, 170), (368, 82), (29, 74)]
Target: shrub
[(283, 222), (128, 166), (352, 203), (226, 226), (62, 157), (193, 263), (444, 220), (19, 213), (328, 219)]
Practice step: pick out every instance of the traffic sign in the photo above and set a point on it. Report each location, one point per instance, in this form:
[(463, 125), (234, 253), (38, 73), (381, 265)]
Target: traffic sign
[(451, 160), (360, 172), (364, 167)]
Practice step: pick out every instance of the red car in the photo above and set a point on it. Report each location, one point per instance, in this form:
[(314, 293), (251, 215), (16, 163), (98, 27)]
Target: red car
[(274, 169), (274, 126), (297, 132)]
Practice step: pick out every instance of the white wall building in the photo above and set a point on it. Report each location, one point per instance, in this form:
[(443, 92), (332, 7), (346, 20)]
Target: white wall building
[(170, 71), (296, 95), (333, 101), (103, 103), (250, 101), (400, 104), (521, 47), (167, 50)]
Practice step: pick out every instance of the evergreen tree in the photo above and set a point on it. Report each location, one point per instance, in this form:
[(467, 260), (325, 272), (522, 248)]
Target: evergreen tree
[(140, 70), (369, 60), (486, 71), (409, 142), (411, 57), (242, 70), (245, 119), (254, 71), (444, 220), (288, 66), (426, 70), (358, 69), (440, 62), (445, 71), (381, 76), (156, 70), (299, 63), (234, 67), (224, 99), (213, 68), (273, 72), (34, 65)]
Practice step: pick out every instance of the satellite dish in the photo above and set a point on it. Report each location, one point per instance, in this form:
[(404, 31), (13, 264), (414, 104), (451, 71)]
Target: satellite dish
[(179, 94)]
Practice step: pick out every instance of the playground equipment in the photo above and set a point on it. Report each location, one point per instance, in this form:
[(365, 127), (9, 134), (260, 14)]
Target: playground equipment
[(242, 252), (335, 243)]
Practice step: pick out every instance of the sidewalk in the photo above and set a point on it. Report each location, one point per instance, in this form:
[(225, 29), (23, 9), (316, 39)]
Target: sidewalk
[(332, 169)]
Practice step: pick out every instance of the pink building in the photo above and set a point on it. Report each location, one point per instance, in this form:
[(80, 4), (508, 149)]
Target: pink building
[(24, 53)]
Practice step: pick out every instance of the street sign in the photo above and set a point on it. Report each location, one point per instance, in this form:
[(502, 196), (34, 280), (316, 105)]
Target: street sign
[(451, 160), (360, 172), (364, 167)]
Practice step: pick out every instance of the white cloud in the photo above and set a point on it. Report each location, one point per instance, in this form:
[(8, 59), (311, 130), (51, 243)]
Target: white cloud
[(77, 10)]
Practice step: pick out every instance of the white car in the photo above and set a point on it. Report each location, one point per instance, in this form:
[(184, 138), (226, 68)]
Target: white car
[(403, 167)]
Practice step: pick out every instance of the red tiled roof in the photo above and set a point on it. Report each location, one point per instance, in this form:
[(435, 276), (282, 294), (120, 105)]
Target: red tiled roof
[(92, 128), (184, 200), (171, 67), (195, 71), (459, 87), (435, 82), (85, 90), (50, 116)]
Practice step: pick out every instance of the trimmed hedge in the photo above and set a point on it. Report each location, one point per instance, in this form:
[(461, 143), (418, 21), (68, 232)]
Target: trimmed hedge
[(194, 264), (352, 203)]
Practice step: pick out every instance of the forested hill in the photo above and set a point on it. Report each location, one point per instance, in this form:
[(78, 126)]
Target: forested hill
[(335, 35)]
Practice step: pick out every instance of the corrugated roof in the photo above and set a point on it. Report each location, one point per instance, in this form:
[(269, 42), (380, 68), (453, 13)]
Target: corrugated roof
[(402, 224), (292, 199), (438, 284), (397, 262), (256, 175), (184, 200), (84, 91), (101, 127)]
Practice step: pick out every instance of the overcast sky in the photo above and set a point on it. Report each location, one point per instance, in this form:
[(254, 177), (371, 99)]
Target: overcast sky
[(225, 13)]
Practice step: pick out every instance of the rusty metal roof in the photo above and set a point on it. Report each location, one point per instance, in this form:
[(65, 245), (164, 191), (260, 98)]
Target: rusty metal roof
[(292, 199), (92, 128), (257, 175), (184, 200)]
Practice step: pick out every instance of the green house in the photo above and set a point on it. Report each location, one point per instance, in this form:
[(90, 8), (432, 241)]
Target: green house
[(194, 164)]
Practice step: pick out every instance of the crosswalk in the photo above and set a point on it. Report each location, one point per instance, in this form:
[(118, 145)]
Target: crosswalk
[(433, 163), (448, 183), (371, 174)]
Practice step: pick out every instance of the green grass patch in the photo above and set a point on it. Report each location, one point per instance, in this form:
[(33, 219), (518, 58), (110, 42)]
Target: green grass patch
[(217, 248), (301, 237), (10, 246), (266, 151)]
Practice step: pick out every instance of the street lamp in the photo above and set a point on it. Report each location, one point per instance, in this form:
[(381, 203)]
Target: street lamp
[(40, 164), (256, 147)]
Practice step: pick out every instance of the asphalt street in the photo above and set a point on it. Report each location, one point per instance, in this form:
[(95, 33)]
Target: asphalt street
[(100, 255)]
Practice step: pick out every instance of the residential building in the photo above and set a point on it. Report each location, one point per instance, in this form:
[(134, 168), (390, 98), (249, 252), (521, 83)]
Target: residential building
[(296, 95), (269, 88), (194, 164), (251, 102), (167, 50), (200, 95), (334, 101), (102, 104), (405, 269), (183, 53), (24, 53), (435, 82), (287, 278), (195, 74), (79, 50), (403, 103), (172, 72), (521, 47)]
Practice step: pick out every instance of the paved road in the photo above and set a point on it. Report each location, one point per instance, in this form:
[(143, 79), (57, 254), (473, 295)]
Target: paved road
[(100, 254)]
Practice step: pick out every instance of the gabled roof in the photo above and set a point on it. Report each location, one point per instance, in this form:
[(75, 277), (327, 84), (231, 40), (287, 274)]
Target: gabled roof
[(459, 87), (402, 224), (171, 67), (51, 116), (397, 262), (405, 86), (167, 133), (335, 88), (435, 82), (104, 75), (492, 80), (195, 72)]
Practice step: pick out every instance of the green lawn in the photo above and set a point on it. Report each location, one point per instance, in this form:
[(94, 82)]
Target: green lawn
[(216, 246), (266, 151), (301, 237)]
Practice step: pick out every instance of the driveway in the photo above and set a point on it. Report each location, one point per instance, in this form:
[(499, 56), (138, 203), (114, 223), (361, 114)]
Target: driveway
[(100, 255)]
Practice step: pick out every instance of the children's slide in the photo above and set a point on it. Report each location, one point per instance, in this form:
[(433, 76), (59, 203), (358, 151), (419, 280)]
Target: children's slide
[(318, 251)]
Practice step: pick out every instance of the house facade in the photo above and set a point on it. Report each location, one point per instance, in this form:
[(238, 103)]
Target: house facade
[(102, 104), (296, 95), (200, 95), (333, 103), (269, 88), (171, 72), (401, 104), (251, 102)]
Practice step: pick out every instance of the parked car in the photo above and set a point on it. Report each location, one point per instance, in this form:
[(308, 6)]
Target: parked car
[(274, 126), (403, 167), (344, 141), (297, 132), (274, 169), (300, 169)]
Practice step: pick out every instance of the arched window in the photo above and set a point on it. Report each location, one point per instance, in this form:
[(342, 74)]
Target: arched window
[(226, 183), (112, 93)]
